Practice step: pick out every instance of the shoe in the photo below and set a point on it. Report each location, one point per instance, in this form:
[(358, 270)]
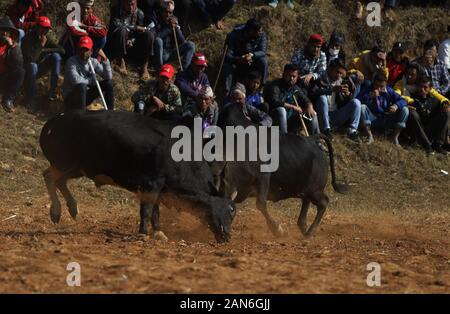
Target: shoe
[(329, 134), (290, 4), (52, 96), (8, 105), (353, 136), (429, 152), (273, 3)]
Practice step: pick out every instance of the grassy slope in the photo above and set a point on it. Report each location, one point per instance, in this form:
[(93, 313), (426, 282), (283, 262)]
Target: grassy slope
[(385, 179)]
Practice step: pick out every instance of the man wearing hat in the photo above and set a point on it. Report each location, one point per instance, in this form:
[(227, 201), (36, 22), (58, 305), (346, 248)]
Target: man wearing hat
[(246, 52), (11, 63), (334, 49), (310, 60), (79, 88), (128, 37), (397, 62), (164, 23), (160, 98), (203, 106), (90, 25), (193, 79), (41, 55)]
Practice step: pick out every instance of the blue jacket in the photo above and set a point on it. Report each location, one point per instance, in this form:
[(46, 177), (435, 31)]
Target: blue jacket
[(381, 103)]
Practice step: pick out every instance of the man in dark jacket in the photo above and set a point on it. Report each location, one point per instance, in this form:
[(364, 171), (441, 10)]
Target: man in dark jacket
[(428, 118), (246, 51), (333, 97), (283, 95), (193, 79), (166, 27), (11, 63), (41, 55), (128, 34)]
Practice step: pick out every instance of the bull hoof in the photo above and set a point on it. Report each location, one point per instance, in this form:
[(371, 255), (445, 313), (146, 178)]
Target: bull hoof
[(73, 210), (160, 236), (55, 214)]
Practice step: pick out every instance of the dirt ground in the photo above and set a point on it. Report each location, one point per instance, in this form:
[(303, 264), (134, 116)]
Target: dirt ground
[(414, 253)]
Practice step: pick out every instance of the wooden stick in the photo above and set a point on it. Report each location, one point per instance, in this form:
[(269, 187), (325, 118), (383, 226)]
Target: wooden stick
[(301, 117), (176, 45), (220, 68)]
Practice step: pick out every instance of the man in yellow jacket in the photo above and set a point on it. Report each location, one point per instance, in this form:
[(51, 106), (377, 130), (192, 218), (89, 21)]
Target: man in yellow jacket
[(367, 63)]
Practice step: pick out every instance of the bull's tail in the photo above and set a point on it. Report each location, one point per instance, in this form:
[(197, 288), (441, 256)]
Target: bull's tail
[(337, 186)]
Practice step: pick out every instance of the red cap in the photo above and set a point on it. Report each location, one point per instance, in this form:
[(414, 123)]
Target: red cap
[(199, 59), (316, 38), (85, 42), (167, 70), (44, 22)]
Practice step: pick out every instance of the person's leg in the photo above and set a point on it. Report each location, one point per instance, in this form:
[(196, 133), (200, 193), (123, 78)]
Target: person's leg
[(158, 51), (437, 129), (107, 90), (117, 47), (398, 122), (204, 14), (145, 45), (31, 72), (51, 63), (13, 81), (279, 116), (367, 117), (76, 98), (415, 130), (313, 126), (182, 11), (351, 112), (99, 43), (322, 107), (227, 72), (187, 50), (219, 10)]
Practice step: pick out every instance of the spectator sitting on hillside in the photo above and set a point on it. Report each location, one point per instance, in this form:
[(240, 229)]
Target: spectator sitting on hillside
[(90, 25), (334, 49), (193, 79), (79, 88), (428, 118), (311, 61), (255, 115), (213, 11), (334, 102), (367, 63), (280, 94), (434, 68), (41, 54), (159, 98), (203, 106), (444, 50), (382, 108), (254, 95), (407, 86), (165, 24), (246, 52), (274, 4), (128, 35), (11, 63), (24, 14), (397, 62)]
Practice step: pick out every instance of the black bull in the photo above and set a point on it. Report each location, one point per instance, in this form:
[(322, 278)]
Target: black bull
[(133, 152), (302, 173)]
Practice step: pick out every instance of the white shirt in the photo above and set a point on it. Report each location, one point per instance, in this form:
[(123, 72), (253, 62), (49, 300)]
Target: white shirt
[(444, 53)]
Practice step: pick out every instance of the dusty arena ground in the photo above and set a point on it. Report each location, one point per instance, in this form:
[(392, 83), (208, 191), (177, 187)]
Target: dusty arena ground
[(413, 252)]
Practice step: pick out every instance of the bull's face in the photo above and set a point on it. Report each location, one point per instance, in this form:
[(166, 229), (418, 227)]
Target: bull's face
[(220, 217)]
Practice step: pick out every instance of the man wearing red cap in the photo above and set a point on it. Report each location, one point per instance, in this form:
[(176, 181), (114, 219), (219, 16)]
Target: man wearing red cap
[(192, 80), (79, 88), (41, 54), (159, 98), (90, 25), (310, 60)]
